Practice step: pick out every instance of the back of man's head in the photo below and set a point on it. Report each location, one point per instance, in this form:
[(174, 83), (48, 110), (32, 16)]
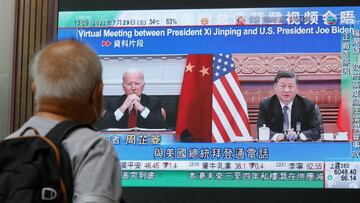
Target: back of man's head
[(66, 70)]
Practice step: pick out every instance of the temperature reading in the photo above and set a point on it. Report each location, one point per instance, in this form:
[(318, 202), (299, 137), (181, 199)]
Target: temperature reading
[(154, 22)]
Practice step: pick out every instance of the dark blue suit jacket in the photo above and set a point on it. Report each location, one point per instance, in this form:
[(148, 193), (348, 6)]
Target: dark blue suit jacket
[(303, 110), (153, 120)]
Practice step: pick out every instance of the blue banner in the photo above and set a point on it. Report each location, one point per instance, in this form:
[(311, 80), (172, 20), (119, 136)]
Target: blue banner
[(143, 147), (209, 39)]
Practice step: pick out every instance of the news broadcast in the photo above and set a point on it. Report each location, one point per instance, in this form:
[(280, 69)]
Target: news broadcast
[(229, 97)]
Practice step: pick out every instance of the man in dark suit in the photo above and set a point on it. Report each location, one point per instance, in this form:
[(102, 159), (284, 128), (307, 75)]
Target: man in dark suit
[(288, 115), (133, 109)]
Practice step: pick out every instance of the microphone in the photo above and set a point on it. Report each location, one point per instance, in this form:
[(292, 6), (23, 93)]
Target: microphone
[(285, 129)]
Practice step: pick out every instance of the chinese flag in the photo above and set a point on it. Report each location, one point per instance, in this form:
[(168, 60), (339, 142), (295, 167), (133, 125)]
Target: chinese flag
[(343, 120), (195, 103)]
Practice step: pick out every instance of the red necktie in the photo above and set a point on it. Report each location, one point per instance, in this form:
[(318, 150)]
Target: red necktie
[(132, 119)]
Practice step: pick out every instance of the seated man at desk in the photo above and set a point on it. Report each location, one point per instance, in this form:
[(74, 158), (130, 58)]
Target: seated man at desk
[(133, 109), (288, 115)]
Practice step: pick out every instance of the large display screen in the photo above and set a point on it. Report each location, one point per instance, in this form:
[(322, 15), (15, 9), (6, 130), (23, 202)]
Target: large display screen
[(210, 69)]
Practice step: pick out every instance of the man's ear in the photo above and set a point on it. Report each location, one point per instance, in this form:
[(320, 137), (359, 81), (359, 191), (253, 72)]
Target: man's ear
[(98, 93), (97, 99), (33, 88)]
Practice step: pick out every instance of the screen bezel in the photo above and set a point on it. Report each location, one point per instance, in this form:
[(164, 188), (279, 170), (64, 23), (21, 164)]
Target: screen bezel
[(161, 194)]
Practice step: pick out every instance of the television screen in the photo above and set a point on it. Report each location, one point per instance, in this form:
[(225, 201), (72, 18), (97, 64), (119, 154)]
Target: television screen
[(212, 85)]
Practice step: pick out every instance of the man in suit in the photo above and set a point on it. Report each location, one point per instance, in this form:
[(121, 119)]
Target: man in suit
[(288, 115), (133, 109)]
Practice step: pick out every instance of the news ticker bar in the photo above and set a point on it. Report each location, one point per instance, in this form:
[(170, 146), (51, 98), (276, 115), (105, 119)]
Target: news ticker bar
[(107, 41), (241, 174), (226, 16), (223, 179), (162, 147), (290, 30), (221, 165)]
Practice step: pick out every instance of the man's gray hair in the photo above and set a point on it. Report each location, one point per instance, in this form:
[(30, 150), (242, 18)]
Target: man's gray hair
[(133, 70), (66, 70)]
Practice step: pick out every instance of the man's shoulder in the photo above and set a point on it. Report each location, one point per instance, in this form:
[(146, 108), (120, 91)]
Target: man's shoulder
[(43, 125), (149, 98), (113, 101), (40, 124), (269, 101), (84, 139), (303, 101)]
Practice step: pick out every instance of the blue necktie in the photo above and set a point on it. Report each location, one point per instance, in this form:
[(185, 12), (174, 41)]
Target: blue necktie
[(286, 118)]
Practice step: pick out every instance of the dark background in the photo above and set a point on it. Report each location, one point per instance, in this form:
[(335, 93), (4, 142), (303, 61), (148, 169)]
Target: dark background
[(215, 195), (73, 5)]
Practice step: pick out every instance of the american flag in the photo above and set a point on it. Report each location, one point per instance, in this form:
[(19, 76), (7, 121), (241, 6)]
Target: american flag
[(230, 121)]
